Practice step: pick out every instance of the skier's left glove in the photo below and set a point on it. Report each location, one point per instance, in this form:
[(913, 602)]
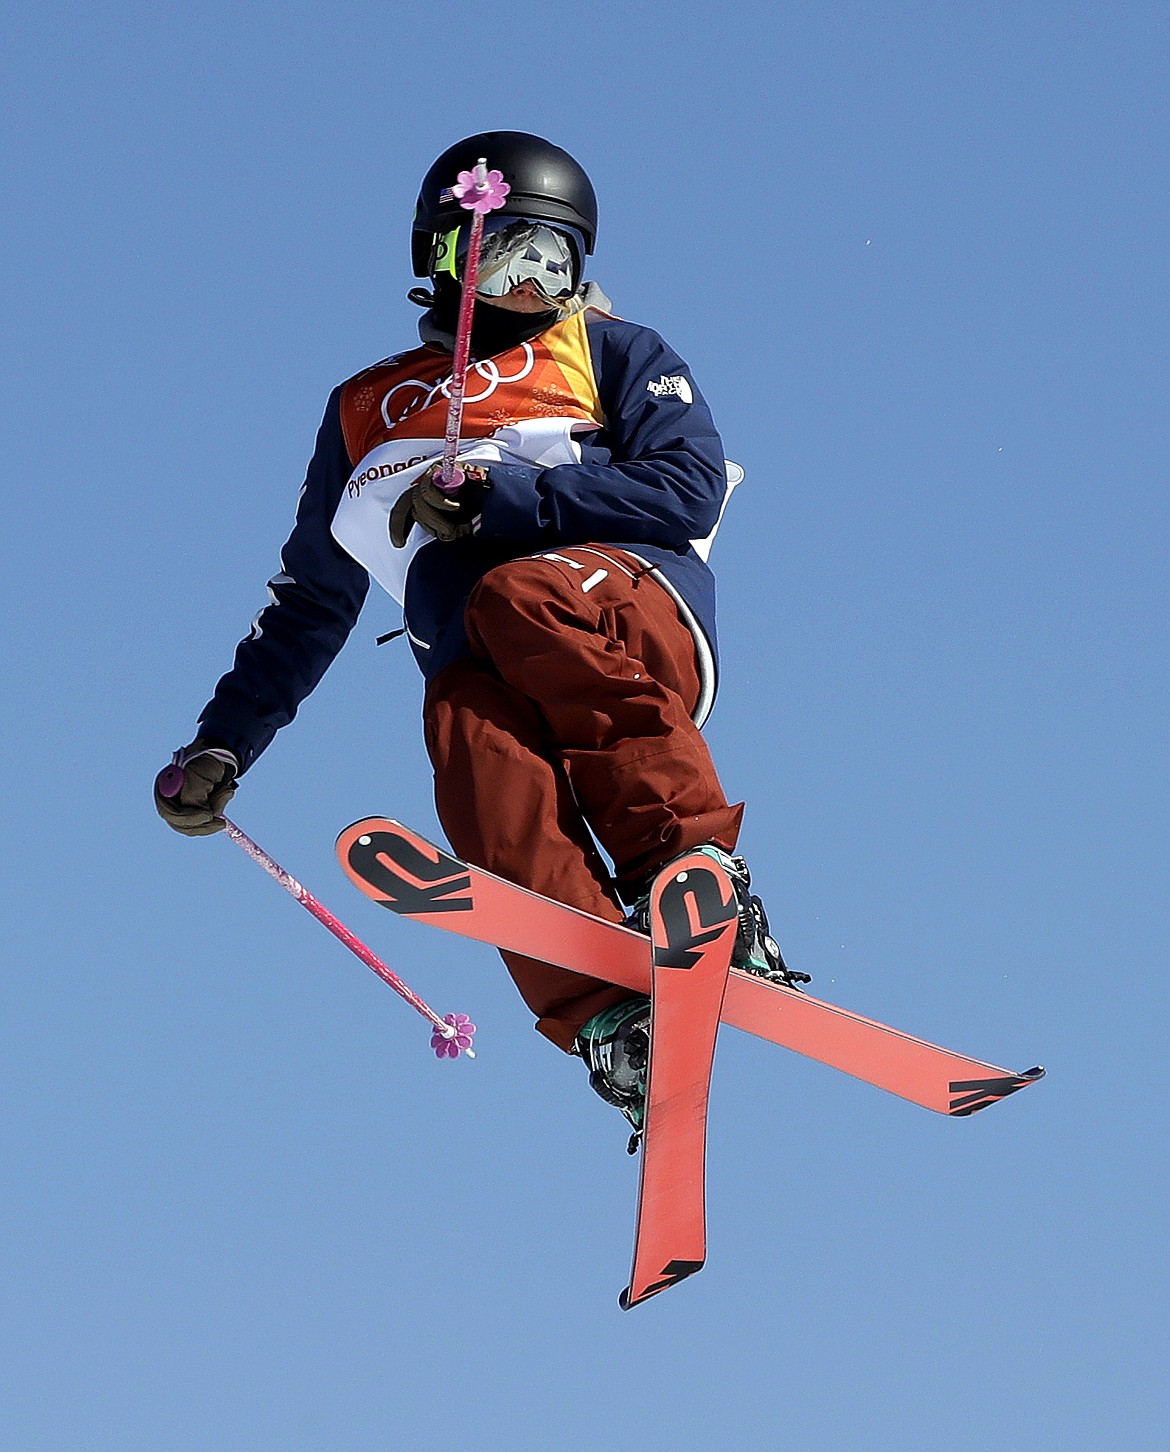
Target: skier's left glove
[(446, 516), (209, 783)]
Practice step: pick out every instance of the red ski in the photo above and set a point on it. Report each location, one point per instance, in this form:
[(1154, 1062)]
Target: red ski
[(406, 873), (693, 917)]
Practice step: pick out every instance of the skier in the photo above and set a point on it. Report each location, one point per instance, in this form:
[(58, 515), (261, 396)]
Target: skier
[(559, 604)]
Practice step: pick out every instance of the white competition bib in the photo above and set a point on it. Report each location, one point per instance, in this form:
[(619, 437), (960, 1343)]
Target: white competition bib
[(361, 525)]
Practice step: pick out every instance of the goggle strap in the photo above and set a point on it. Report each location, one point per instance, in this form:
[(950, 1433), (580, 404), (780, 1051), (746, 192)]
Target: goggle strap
[(445, 253)]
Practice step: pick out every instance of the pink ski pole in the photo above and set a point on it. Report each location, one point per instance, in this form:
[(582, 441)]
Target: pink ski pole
[(452, 1035), (479, 192)]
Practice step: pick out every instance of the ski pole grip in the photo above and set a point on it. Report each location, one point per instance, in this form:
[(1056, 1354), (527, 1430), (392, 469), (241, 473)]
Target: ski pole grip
[(452, 483), (170, 781)]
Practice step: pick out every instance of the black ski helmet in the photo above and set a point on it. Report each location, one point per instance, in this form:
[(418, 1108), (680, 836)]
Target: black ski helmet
[(546, 183)]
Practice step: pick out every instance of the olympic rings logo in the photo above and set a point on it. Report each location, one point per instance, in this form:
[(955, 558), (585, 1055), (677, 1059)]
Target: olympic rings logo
[(420, 395)]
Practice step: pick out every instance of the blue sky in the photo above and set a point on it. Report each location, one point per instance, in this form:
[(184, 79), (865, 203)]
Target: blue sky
[(916, 256)]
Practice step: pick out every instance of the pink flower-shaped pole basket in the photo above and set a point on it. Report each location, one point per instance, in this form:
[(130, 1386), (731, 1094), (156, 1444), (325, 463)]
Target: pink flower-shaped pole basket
[(457, 1040), (478, 194)]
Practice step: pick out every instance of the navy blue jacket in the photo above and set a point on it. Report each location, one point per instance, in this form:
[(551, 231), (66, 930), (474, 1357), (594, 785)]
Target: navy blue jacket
[(651, 480)]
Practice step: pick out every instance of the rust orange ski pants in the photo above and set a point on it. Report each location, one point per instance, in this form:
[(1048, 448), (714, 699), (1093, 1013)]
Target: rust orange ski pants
[(571, 721)]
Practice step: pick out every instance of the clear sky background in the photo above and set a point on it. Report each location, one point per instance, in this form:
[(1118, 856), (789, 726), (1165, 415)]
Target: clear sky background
[(916, 255)]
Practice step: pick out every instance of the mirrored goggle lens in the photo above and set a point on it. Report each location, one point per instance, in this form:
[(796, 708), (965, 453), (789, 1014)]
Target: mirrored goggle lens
[(514, 250)]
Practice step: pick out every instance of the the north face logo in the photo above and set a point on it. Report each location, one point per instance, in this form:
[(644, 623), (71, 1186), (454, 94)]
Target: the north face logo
[(671, 385)]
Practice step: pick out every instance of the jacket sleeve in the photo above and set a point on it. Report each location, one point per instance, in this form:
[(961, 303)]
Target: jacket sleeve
[(662, 479), (314, 603)]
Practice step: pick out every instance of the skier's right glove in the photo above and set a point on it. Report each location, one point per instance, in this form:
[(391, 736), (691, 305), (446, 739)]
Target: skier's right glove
[(209, 782)]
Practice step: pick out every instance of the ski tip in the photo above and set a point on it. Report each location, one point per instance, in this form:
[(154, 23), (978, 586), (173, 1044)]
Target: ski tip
[(677, 1270), (968, 1096), (628, 1301)]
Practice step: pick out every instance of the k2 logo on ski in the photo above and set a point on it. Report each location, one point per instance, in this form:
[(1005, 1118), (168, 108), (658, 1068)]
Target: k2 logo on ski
[(671, 385)]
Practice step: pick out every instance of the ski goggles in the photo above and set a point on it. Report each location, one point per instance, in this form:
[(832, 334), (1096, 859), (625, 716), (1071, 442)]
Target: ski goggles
[(514, 250)]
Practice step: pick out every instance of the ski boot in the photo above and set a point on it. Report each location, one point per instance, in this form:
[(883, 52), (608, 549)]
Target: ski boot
[(615, 1045), (755, 951)]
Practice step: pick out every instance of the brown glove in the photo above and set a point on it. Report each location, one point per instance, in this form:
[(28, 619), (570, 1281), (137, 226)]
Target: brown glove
[(209, 782), (446, 516)]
